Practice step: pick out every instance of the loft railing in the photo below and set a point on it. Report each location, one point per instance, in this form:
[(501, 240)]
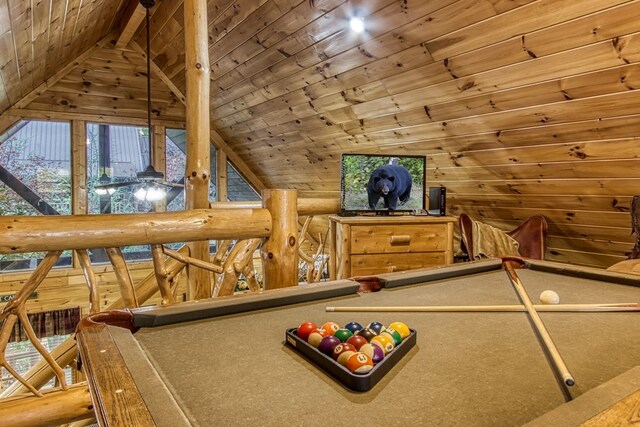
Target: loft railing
[(274, 223)]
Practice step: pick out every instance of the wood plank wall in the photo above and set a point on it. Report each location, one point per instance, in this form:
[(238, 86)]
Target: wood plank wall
[(67, 288), (522, 107)]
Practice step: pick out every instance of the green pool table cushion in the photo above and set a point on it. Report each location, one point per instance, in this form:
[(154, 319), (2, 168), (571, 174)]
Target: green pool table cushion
[(197, 310), (166, 411), (423, 275), (356, 382), (592, 403)]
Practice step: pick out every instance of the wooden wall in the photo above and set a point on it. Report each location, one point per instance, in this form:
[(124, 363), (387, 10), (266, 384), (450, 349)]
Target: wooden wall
[(522, 106), (67, 288)]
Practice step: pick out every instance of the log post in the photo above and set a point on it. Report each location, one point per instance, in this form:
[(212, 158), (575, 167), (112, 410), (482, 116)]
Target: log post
[(198, 168), (280, 250), (53, 408)]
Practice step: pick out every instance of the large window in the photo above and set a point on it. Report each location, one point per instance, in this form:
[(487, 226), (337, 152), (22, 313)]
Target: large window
[(35, 179), (117, 154), (176, 154)]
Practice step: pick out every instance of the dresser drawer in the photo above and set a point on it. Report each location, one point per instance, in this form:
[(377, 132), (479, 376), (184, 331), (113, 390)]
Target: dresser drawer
[(382, 239), (362, 265)]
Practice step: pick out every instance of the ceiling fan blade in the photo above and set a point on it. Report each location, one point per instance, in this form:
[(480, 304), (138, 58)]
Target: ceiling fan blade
[(116, 184)]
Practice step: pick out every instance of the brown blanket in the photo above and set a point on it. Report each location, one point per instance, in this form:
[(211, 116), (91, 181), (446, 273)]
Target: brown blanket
[(490, 242), (629, 266)]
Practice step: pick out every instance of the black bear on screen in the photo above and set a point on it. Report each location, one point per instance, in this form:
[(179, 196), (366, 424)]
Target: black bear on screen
[(392, 183)]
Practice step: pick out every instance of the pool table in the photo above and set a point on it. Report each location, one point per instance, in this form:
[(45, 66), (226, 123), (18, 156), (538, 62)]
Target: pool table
[(224, 361)]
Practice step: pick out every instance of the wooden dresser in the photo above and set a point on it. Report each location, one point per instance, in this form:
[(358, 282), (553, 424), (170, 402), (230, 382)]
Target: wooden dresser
[(364, 245)]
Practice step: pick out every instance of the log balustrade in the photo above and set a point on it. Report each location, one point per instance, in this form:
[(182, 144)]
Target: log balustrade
[(248, 223)]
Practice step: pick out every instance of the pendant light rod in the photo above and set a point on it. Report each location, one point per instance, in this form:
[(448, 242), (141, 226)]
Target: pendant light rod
[(147, 4)]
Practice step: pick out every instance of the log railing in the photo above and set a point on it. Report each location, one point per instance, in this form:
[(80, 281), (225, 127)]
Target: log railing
[(248, 223)]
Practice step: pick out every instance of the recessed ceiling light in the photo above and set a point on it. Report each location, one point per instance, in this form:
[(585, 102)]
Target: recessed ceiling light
[(357, 24)]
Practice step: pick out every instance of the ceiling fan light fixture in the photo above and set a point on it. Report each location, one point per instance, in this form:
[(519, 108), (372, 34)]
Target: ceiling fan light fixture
[(150, 193)]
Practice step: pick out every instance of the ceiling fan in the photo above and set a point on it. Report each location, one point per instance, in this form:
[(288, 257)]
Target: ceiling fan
[(152, 184)]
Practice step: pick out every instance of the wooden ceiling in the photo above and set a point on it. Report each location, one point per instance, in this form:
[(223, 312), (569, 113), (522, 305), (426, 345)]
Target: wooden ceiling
[(522, 106)]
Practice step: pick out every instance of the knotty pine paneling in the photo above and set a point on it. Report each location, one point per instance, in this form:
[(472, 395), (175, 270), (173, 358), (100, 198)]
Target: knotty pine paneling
[(111, 82), (522, 107), (67, 288)]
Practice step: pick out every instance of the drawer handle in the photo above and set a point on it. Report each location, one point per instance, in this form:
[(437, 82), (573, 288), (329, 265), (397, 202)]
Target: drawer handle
[(403, 239)]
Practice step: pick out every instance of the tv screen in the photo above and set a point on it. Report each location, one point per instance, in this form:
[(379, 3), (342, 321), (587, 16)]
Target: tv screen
[(382, 183)]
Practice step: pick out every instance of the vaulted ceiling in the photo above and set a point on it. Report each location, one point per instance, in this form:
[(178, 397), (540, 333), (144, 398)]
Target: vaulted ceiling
[(522, 106)]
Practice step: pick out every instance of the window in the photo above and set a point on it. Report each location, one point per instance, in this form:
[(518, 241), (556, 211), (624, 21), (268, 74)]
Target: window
[(176, 154), (117, 154), (35, 179), (239, 190)]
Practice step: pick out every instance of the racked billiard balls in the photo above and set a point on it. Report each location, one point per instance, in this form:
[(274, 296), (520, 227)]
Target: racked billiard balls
[(402, 329), (375, 352), (384, 341), (343, 334), (305, 329), (359, 363), (342, 352), (357, 341), (353, 326), (331, 327), (376, 327), (395, 335), (316, 336), (327, 344), (367, 334)]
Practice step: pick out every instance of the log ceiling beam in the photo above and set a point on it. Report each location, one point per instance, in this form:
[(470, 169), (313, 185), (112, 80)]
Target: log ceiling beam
[(131, 19)]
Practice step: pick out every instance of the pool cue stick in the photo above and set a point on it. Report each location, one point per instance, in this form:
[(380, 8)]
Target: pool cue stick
[(613, 307), (556, 358)]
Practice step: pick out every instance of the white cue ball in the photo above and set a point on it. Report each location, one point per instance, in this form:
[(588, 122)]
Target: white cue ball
[(549, 297)]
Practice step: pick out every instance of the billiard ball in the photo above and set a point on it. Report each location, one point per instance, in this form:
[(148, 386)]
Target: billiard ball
[(395, 335), (343, 334), (357, 341), (376, 353), (342, 352), (402, 329), (384, 341), (305, 329), (327, 344), (376, 327), (359, 363), (331, 327), (366, 333), (549, 297), (353, 326), (316, 336)]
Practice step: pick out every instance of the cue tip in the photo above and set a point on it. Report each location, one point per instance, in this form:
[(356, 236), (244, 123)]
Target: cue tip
[(330, 309)]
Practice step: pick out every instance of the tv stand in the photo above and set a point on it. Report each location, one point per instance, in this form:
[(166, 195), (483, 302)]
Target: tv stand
[(363, 245)]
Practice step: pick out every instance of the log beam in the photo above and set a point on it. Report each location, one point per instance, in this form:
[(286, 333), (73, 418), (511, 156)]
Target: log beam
[(198, 168), (52, 409), (131, 19), (42, 233), (280, 250)]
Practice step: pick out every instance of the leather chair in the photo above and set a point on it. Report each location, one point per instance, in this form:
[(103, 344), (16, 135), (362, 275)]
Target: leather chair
[(531, 235)]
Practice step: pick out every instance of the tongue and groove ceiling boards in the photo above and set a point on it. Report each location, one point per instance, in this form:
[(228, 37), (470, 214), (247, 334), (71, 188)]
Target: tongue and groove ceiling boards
[(522, 106)]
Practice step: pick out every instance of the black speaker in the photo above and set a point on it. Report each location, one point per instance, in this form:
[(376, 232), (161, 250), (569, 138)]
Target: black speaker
[(437, 201)]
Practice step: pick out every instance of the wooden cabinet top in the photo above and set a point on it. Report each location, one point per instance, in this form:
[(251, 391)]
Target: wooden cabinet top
[(400, 219)]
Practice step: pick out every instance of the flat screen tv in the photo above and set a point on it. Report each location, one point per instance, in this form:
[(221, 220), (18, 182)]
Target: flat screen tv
[(382, 183)]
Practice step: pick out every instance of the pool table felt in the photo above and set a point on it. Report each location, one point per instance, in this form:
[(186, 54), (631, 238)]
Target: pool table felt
[(467, 368)]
